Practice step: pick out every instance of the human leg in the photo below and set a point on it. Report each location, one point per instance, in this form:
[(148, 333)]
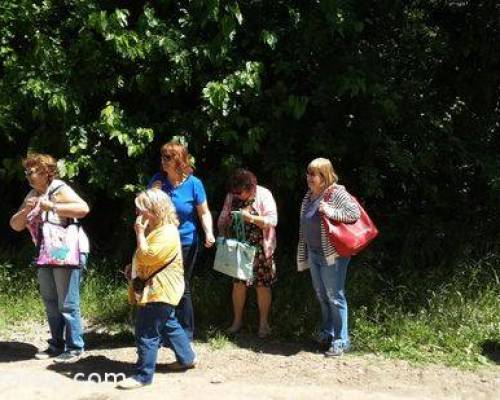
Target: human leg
[(68, 291), (334, 277), (239, 296), (148, 334), (48, 291), (175, 337), (317, 263), (184, 311), (264, 299)]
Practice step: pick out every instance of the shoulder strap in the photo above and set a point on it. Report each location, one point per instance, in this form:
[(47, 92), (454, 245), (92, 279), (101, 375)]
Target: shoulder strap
[(52, 191), (161, 269), (239, 227)]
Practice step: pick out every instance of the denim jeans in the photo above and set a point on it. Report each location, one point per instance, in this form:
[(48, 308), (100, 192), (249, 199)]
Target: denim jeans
[(329, 284), (156, 324), (184, 311), (60, 290)]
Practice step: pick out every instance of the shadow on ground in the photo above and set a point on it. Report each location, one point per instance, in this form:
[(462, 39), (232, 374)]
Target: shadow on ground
[(16, 351), (99, 367), (95, 340), (491, 349)]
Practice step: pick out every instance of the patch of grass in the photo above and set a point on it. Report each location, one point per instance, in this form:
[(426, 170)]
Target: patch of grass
[(218, 340), (104, 298), (446, 322)]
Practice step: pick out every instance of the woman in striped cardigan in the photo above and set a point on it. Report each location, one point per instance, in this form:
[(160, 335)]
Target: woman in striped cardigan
[(315, 252)]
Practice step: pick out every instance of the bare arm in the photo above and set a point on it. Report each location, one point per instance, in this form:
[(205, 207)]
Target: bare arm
[(66, 203), (206, 222), (19, 220)]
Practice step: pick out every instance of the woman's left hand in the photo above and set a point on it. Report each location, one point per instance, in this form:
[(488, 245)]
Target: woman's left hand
[(322, 206), (209, 240), (247, 216)]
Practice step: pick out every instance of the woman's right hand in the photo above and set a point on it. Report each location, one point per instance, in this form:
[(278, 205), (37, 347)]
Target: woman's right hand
[(140, 225), (31, 204)]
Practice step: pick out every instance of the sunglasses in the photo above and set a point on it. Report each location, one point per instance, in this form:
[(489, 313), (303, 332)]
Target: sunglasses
[(237, 193), (166, 157)]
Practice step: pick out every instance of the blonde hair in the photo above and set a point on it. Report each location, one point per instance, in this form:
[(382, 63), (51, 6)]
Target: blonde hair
[(42, 163), (159, 204), (324, 168)]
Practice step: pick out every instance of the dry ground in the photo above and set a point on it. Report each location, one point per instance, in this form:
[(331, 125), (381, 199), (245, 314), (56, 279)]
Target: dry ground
[(248, 369)]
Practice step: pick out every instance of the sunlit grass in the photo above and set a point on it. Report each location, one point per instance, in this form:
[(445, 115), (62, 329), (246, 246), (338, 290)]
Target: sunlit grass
[(453, 321)]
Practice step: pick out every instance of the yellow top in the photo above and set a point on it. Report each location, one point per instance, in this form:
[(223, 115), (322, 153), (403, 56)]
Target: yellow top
[(168, 285)]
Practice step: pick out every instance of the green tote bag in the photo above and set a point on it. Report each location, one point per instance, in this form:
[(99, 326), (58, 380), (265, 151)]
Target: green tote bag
[(234, 257)]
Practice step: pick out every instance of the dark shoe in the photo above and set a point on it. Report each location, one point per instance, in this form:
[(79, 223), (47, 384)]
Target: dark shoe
[(69, 357), (50, 352), (334, 351)]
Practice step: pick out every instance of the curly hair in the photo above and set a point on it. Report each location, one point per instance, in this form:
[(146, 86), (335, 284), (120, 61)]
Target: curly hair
[(42, 163)]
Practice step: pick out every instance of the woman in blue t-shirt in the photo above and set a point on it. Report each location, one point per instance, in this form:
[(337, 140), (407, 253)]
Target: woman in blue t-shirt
[(190, 200)]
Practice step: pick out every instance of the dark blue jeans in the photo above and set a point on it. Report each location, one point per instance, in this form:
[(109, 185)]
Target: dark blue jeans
[(185, 311), (156, 324), (60, 290)]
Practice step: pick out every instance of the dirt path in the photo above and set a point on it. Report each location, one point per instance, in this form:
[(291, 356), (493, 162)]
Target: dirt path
[(250, 369)]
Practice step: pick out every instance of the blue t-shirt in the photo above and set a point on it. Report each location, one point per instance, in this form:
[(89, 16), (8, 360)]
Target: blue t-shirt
[(185, 197)]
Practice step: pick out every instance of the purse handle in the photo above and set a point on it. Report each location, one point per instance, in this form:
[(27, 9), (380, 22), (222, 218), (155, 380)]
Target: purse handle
[(239, 226)]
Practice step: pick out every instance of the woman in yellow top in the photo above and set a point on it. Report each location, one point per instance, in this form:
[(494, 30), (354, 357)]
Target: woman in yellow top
[(156, 286)]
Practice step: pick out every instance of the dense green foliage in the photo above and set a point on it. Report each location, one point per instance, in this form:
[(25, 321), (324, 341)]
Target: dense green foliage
[(402, 96)]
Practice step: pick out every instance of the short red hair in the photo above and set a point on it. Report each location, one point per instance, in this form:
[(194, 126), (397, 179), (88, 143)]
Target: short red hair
[(42, 163)]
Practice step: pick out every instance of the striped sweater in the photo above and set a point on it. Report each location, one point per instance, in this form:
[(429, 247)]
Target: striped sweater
[(340, 208)]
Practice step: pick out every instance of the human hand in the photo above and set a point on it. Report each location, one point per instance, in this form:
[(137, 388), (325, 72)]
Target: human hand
[(247, 217), (209, 240), (31, 204), (140, 225), (322, 206), (46, 204)]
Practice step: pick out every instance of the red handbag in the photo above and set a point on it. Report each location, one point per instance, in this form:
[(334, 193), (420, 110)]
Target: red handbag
[(350, 239)]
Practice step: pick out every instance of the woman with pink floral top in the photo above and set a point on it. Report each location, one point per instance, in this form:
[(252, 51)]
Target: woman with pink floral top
[(258, 210)]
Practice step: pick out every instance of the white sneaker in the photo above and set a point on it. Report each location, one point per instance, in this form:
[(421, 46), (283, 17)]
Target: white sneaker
[(130, 383)]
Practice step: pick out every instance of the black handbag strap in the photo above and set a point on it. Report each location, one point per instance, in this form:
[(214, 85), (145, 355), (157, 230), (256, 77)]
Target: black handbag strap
[(161, 269), (49, 195), (70, 221)]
